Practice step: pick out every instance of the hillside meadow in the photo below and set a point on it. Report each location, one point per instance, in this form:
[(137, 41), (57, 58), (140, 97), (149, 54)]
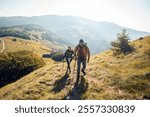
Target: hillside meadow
[(108, 77)]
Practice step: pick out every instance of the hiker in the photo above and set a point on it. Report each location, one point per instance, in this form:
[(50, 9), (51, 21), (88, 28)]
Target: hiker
[(68, 55), (82, 55)]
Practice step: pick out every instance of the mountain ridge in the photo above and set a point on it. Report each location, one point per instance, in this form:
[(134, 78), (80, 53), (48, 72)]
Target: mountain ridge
[(35, 33), (70, 16), (71, 29)]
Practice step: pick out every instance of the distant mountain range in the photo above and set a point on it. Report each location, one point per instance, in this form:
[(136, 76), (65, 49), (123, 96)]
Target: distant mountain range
[(69, 29), (30, 31)]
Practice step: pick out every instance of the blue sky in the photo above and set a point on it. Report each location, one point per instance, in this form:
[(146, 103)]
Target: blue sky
[(128, 13)]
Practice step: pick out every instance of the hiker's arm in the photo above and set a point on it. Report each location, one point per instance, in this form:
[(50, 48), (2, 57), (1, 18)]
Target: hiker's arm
[(75, 52), (88, 54)]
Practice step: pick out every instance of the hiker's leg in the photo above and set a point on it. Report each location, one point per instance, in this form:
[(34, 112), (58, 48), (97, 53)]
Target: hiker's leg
[(67, 64), (84, 66), (70, 60), (78, 69)]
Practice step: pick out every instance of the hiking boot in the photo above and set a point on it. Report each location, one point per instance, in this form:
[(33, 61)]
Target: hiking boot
[(83, 72)]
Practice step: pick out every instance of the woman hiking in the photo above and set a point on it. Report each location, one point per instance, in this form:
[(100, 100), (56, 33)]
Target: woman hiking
[(68, 55)]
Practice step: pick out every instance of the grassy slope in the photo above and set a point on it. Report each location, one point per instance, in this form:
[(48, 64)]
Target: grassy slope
[(108, 77), (1, 45), (22, 44), (122, 77)]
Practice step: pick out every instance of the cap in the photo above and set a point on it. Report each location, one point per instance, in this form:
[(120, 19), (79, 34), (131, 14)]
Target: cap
[(81, 41)]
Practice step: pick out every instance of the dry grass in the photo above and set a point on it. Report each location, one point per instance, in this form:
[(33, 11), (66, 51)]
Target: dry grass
[(122, 76), (108, 77), (22, 44), (1, 45)]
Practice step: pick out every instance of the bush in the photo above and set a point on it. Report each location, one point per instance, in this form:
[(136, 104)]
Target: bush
[(56, 56), (14, 39), (14, 65), (141, 38)]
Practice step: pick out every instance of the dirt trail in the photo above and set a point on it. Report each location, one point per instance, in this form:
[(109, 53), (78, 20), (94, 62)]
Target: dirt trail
[(50, 82)]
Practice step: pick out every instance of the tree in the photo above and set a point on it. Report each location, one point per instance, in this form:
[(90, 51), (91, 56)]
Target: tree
[(121, 45)]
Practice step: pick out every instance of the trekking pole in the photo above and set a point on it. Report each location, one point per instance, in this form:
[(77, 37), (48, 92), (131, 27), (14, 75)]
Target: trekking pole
[(73, 70), (62, 67)]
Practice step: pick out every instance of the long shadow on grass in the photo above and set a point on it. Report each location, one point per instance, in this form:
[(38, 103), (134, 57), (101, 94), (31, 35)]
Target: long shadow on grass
[(78, 90), (60, 83)]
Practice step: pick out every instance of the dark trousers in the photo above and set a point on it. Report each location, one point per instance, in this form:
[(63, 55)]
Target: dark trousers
[(79, 62), (68, 60)]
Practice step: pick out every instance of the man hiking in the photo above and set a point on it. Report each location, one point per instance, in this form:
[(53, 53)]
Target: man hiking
[(82, 55), (68, 55)]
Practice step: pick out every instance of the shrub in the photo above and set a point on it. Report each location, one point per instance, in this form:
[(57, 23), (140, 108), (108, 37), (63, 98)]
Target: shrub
[(14, 39), (56, 56), (14, 65), (141, 38)]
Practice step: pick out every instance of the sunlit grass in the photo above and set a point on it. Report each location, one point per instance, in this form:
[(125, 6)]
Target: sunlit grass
[(108, 77)]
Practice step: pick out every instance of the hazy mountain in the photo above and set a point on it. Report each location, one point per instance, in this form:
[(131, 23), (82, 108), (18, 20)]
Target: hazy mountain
[(33, 32), (70, 29)]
